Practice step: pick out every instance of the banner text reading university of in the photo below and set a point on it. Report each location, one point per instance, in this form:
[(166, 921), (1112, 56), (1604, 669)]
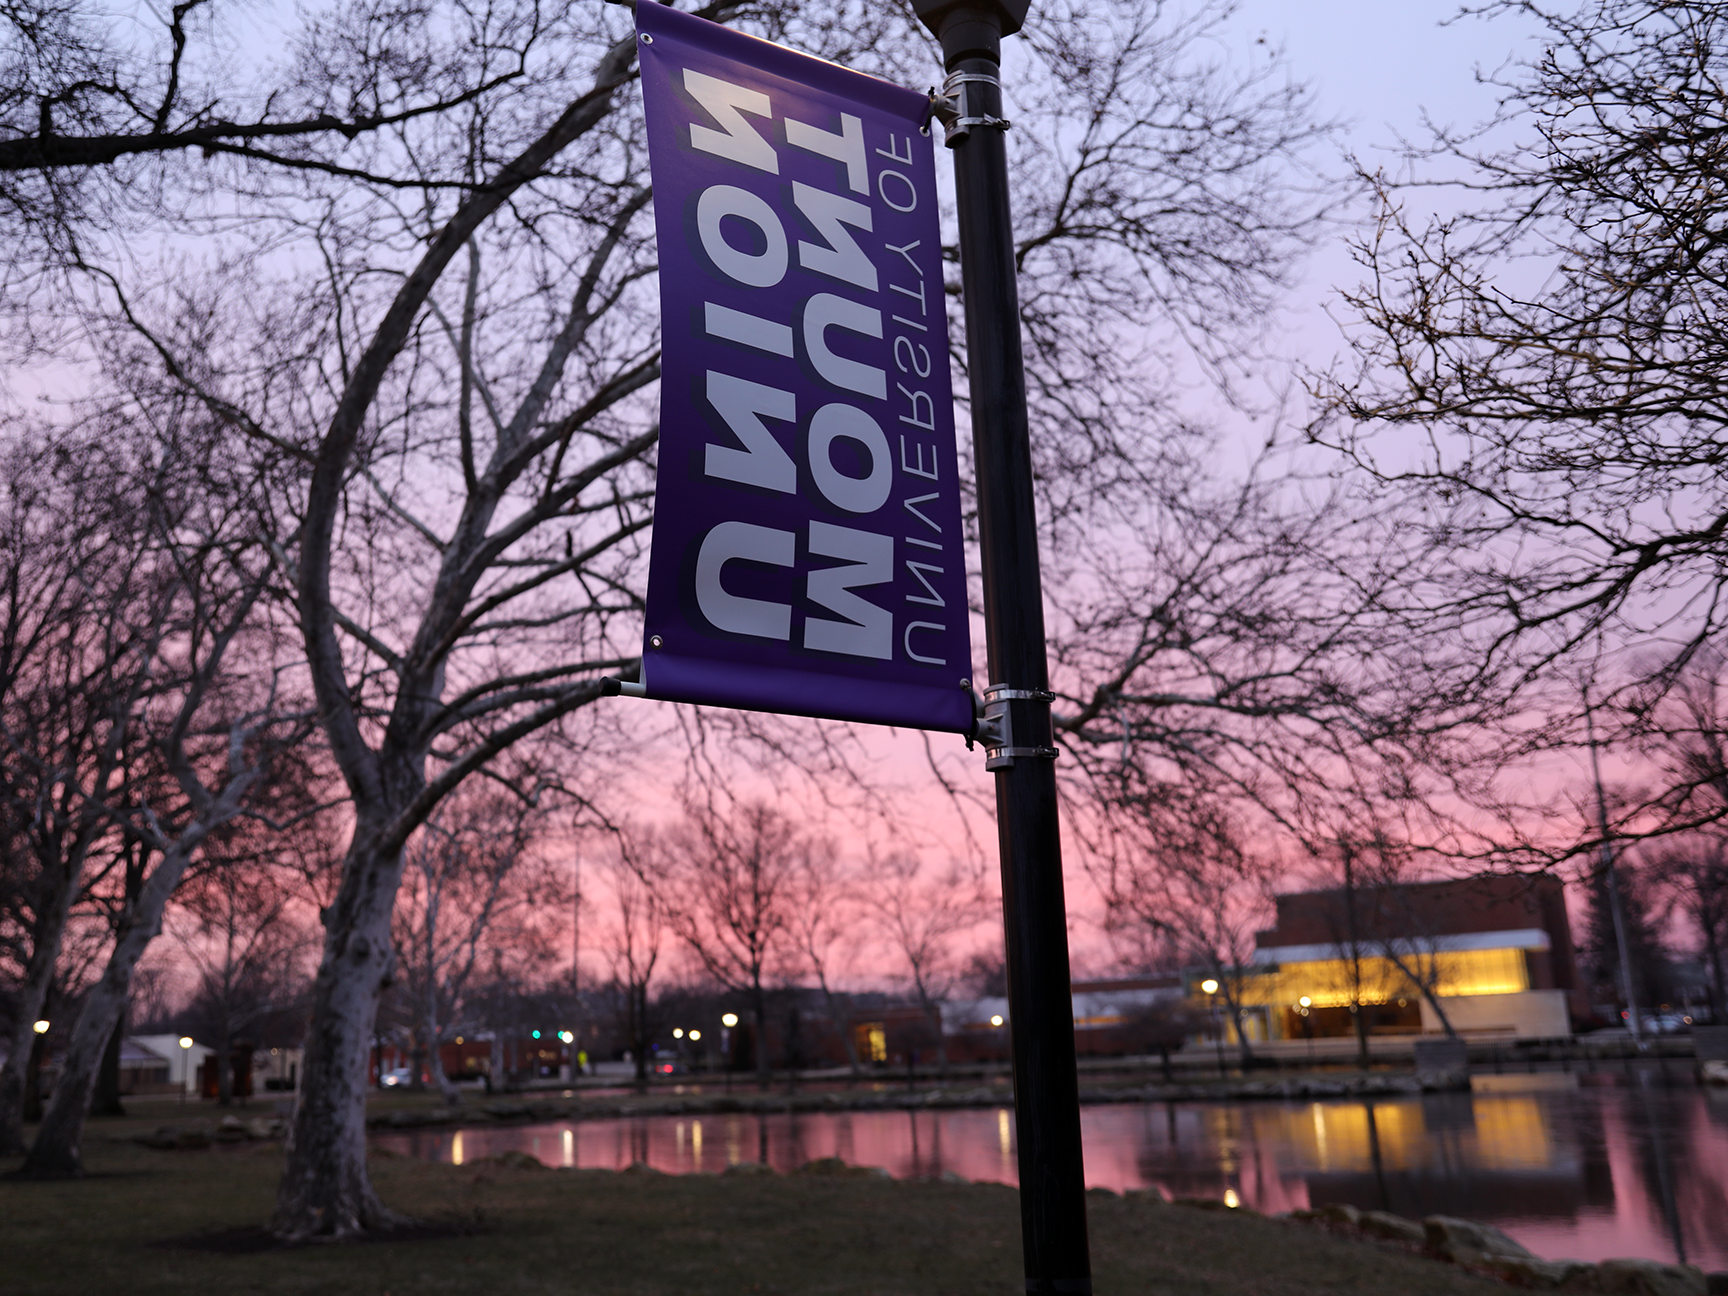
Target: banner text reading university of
[(807, 554)]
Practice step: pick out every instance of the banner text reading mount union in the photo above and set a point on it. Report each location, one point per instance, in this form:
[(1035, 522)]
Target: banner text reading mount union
[(807, 552)]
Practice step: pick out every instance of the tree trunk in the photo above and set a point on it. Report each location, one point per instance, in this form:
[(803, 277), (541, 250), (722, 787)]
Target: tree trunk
[(106, 1101), (639, 1033), (760, 1002), (28, 1008), (58, 1149), (325, 1191), (32, 1104), (447, 1089), (1242, 1045), (1427, 986), (224, 1063), (1718, 998)]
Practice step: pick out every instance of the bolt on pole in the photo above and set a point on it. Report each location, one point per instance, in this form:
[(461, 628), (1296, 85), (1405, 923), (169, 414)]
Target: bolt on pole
[(1017, 731)]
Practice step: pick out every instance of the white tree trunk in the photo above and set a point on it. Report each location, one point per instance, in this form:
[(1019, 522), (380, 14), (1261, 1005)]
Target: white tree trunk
[(58, 1149), (32, 994), (325, 1191)]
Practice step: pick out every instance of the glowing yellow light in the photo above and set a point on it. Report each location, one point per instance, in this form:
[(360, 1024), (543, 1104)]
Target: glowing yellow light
[(729, 1020), (677, 1032), (1231, 1199), (41, 1028), (1209, 986), (996, 1020), (185, 1040), (1305, 1001), (695, 1035), (456, 1149), (567, 1036)]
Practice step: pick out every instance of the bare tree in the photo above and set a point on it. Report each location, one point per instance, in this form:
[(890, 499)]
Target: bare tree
[(452, 337), (241, 940), (1534, 368), (729, 875), (1201, 894), (823, 928), (471, 878), (204, 724), (633, 944), (922, 915), (1694, 872)]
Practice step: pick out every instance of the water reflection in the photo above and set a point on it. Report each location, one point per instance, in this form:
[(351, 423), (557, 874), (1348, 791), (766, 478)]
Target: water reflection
[(1634, 1169)]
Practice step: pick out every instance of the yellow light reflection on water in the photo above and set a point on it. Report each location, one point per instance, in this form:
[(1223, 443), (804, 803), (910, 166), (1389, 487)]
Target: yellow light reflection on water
[(1231, 1199), (696, 1142), (569, 1147), (456, 1149), (1511, 1133)]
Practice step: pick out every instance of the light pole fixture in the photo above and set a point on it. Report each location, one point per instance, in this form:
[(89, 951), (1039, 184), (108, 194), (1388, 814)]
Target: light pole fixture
[(1019, 741), (729, 1020), (185, 1066), (41, 1027)]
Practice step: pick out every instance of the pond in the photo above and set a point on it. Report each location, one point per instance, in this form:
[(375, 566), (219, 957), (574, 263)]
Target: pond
[(1573, 1167)]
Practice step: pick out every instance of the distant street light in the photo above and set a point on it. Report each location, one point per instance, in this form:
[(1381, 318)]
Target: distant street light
[(185, 1066), (729, 1020), (41, 1028), (695, 1035), (677, 1032), (996, 1020), (1209, 986)]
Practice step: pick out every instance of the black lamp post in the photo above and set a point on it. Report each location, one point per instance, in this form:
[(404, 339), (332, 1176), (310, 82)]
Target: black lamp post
[(1017, 732)]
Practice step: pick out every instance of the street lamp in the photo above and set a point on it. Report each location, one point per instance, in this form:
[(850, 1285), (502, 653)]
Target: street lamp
[(185, 1068), (41, 1027), (728, 1021), (1210, 987)]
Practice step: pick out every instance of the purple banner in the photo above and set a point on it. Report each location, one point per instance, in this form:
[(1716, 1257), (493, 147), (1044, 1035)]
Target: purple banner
[(807, 554)]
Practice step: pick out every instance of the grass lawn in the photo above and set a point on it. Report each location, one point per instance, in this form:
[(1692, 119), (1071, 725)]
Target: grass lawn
[(124, 1230)]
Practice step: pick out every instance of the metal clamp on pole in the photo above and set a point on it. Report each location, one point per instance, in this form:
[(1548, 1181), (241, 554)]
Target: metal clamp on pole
[(996, 728), (612, 686), (950, 107)]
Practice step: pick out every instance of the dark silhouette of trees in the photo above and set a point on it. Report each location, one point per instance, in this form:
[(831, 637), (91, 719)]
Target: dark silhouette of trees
[(1535, 369), (473, 884), (1692, 875), (633, 943), (726, 877), (922, 914)]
